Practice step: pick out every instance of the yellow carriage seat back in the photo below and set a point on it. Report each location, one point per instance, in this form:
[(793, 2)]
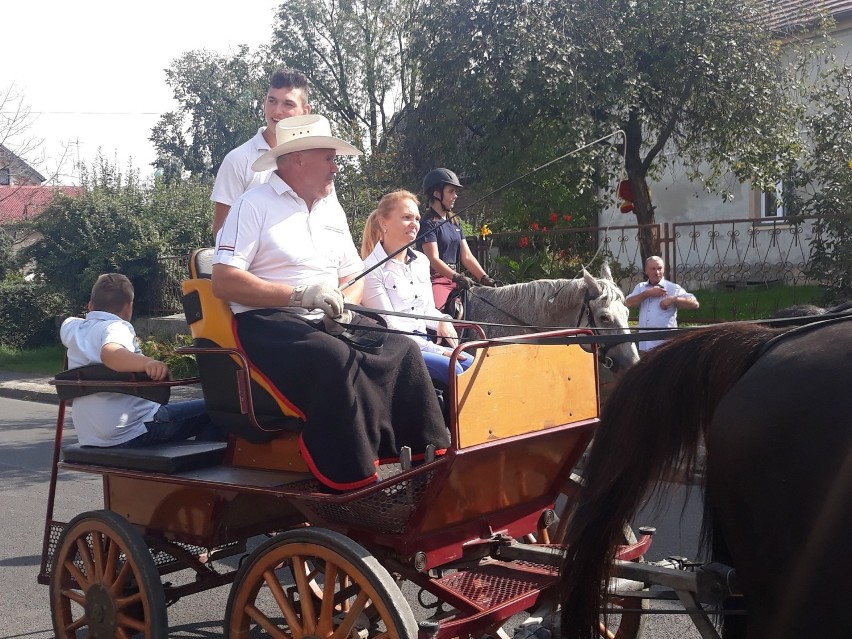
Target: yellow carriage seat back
[(237, 396)]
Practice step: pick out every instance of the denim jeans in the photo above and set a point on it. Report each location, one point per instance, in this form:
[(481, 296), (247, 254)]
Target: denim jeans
[(439, 366), (177, 422)]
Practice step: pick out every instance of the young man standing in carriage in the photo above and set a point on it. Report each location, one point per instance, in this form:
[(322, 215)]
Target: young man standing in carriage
[(282, 255), (442, 241), (286, 96), (658, 300)]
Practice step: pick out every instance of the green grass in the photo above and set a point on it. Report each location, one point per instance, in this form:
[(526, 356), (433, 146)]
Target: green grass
[(719, 305), (47, 360)]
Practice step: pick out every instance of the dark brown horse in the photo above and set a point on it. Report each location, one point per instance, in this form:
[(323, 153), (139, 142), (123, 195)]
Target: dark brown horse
[(776, 417)]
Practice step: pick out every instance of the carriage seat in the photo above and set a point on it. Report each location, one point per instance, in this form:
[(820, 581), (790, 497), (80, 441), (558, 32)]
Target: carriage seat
[(169, 459), (161, 458), (238, 398)]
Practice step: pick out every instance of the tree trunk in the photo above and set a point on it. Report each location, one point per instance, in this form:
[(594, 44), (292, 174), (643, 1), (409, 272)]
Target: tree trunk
[(643, 208), (649, 242)]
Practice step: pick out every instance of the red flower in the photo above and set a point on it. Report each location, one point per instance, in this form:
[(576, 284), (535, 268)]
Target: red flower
[(534, 226), (563, 254), (524, 242), (543, 229), (553, 217), (567, 218)]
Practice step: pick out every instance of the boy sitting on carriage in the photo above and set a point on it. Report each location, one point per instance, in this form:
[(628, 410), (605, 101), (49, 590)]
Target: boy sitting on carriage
[(107, 337)]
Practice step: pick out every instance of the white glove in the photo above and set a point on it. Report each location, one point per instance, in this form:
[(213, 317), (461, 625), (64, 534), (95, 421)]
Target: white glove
[(331, 324), (322, 296)]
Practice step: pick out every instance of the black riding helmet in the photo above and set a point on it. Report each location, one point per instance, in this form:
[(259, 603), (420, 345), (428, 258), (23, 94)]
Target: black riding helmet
[(437, 178)]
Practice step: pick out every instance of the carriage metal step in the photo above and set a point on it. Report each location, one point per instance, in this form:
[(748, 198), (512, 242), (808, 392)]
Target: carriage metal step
[(494, 583)]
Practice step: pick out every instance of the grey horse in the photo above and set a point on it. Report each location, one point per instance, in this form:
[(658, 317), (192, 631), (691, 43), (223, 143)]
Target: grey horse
[(549, 303)]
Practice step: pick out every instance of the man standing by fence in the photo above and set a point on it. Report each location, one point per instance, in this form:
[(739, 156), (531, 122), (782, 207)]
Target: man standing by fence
[(658, 300)]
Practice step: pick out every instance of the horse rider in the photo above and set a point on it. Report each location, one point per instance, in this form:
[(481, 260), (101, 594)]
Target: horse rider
[(442, 241)]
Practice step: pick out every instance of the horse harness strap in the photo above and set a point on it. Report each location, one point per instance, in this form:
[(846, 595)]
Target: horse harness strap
[(797, 330)]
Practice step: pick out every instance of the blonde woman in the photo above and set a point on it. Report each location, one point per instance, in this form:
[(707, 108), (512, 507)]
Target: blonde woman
[(403, 283)]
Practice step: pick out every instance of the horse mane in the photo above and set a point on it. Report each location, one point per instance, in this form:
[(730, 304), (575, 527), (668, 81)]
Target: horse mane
[(650, 426), (545, 298)]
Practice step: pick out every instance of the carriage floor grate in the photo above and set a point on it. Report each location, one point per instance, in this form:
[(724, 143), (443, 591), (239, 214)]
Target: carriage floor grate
[(386, 510), (492, 584), (162, 558)]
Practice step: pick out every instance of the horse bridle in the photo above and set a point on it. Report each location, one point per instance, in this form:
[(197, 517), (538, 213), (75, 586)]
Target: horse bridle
[(586, 309)]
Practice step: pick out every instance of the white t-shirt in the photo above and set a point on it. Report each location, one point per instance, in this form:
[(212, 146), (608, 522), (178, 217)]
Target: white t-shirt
[(270, 233), (404, 287), (235, 175), (652, 315), (104, 419)]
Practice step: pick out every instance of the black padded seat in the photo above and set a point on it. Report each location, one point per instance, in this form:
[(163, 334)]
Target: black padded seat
[(169, 459)]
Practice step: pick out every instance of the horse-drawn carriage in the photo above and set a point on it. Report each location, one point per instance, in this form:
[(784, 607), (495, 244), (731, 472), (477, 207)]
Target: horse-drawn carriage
[(521, 417), (470, 529)]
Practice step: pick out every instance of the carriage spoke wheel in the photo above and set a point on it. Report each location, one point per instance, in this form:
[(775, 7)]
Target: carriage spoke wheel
[(627, 625), (104, 581), (280, 592)]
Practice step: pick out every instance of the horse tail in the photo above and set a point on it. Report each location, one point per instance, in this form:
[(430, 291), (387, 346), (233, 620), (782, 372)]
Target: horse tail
[(650, 427)]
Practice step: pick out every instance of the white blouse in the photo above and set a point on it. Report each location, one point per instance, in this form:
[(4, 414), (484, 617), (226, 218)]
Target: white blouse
[(404, 287)]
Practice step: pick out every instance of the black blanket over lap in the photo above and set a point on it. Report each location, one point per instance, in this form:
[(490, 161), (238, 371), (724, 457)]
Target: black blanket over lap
[(359, 407)]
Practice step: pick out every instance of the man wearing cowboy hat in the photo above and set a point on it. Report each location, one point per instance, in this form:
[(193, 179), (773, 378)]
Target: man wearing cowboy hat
[(283, 253)]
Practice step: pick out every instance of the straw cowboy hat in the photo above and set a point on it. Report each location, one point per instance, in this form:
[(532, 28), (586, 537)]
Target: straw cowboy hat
[(301, 133)]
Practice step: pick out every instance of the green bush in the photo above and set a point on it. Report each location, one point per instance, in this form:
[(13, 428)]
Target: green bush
[(27, 314), (181, 366), (117, 224)]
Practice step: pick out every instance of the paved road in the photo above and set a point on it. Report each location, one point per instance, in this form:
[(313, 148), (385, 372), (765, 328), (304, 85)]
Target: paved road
[(26, 437)]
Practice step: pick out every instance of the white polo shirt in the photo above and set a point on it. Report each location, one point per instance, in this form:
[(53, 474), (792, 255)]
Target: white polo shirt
[(404, 287), (270, 233), (652, 315), (104, 419), (235, 175)]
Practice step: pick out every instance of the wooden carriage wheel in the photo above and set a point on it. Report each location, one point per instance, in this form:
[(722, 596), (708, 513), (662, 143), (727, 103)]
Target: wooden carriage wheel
[(104, 581), (274, 591)]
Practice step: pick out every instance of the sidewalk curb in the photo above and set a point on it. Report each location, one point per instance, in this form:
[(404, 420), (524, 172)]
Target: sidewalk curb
[(29, 395)]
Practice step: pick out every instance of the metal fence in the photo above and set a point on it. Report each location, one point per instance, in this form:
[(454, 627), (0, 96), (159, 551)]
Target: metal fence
[(166, 292), (713, 257)]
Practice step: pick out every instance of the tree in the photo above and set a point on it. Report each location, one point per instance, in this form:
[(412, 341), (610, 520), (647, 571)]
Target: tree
[(17, 123), (357, 57), (221, 106), (825, 181), (120, 225), (693, 81)]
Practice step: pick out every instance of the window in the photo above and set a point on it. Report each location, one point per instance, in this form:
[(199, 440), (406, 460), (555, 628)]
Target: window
[(772, 202), (5, 177), (782, 201)]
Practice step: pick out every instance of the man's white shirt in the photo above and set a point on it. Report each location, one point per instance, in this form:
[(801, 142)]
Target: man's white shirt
[(270, 233), (652, 315), (235, 175)]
